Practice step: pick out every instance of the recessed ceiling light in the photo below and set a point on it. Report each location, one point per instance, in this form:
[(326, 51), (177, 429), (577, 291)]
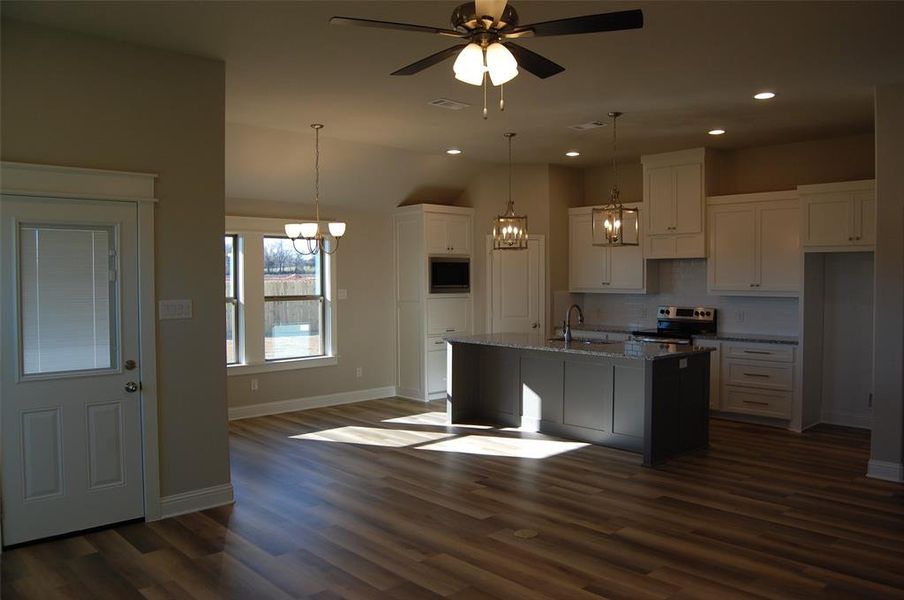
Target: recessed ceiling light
[(764, 95), (716, 131), (453, 151), (572, 153)]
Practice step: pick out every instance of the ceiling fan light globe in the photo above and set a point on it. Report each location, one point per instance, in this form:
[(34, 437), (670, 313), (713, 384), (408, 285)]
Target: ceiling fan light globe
[(501, 64), (469, 66), (337, 229)]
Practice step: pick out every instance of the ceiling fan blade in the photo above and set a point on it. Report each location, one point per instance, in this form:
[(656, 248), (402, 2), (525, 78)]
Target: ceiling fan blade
[(431, 60), (532, 62), (391, 25), (613, 21), (490, 8)]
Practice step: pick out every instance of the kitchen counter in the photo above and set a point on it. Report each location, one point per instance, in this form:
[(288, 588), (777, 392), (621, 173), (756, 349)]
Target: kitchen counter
[(648, 398), (532, 341), (724, 337)]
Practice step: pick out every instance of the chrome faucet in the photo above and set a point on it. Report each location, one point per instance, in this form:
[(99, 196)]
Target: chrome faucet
[(566, 328)]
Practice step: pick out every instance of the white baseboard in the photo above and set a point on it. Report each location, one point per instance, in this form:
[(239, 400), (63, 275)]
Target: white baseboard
[(284, 406), (195, 500), (847, 419), (883, 469)]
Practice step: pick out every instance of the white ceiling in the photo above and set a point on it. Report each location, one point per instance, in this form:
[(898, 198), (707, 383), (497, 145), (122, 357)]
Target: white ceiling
[(694, 66)]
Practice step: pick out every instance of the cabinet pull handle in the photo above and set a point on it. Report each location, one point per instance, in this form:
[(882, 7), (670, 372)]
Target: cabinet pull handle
[(449, 330), (759, 402), (756, 375), (438, 343), (757, 352)]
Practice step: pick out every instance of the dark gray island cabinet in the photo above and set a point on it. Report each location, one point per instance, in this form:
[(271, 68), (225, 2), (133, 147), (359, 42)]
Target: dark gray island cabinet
[(647, 398)]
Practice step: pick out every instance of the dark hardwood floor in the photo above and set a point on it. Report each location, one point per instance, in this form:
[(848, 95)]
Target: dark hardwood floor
[(376, 500)]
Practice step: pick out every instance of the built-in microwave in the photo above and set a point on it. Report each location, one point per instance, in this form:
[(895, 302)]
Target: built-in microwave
[(450, 275)]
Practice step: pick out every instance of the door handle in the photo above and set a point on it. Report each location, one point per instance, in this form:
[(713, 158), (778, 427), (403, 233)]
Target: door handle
[(131, 387), (534, 325)]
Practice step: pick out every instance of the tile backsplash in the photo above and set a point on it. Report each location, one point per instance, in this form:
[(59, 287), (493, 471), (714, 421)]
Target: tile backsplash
[(682, 282)]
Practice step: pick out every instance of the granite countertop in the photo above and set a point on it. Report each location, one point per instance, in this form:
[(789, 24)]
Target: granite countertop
[(724, 337), (533, 341)]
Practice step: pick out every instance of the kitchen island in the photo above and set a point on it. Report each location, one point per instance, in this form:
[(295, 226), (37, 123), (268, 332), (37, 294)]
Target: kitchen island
[(647, 398)]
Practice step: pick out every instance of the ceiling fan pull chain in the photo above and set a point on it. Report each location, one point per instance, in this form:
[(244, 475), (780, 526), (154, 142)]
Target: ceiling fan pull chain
[(502, 97), (484, 96)]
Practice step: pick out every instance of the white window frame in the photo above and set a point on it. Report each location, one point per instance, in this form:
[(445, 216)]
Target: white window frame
[(251, 232)]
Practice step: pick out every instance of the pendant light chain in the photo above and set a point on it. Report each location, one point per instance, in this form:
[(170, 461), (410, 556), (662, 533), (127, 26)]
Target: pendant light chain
[(511, 204), (615, 191), (317, 127)]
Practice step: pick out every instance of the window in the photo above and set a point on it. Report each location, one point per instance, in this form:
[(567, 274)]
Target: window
[(280, 310), (232, 300), (293, 301)]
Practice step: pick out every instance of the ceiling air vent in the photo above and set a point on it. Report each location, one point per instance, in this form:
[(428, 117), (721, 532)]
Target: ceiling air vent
[(586, 126), (448, 104)]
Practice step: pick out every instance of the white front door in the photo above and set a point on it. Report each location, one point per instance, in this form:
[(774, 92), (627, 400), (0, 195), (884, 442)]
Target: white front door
[(69, 393), (517, 302)]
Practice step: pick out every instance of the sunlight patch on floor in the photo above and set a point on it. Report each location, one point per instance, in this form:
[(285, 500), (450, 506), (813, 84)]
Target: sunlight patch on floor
[(437, 418), (374, 436), (487, 445)]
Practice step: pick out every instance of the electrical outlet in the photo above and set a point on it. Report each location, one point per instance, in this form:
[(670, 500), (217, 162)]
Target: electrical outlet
[(254, 384), (359, 372), (342, 294)]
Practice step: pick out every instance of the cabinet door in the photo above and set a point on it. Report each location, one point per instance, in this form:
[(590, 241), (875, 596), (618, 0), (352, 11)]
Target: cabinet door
[(435, 227), (865, 218), (587, 398), (587, 264), (731, 264), (458, 234), (827, 219), (688, 198), (779, 248), (626, 268), (660, 200), (436, 371), (448, 315)]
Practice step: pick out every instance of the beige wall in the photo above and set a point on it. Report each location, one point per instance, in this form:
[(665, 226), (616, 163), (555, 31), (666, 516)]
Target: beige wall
[(759, 169), (888, 339), (81, 101), (365, 320), (566, 189)]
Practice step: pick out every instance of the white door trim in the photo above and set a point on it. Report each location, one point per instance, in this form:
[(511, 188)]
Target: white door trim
[(51, 181), (544, 285)]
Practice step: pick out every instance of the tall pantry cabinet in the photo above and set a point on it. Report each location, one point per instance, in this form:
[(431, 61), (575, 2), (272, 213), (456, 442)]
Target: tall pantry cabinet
[(422, 318)]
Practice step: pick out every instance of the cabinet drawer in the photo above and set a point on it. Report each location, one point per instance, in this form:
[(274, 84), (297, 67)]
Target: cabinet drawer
[(435, 344), (759, 374), (448, 315), (770, 352), (765, 403)]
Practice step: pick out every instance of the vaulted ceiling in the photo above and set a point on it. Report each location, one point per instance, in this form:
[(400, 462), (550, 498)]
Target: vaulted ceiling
[(694, 66)]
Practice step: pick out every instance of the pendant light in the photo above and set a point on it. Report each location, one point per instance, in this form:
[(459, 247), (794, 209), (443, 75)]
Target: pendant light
[(312, 239), (509, 229), (613, 224)]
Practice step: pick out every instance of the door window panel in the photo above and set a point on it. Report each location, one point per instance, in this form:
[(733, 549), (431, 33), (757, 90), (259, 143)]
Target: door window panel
[(67, 298)]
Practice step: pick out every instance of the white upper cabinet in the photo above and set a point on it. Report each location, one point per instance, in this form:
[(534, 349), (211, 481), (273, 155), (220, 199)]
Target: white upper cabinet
[(448, 233), (838, 217), (619, 269), (674, 193), (754, 245)]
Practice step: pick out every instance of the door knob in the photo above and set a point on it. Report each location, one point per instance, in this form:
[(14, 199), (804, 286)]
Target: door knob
[(131, 387), (534, 325)]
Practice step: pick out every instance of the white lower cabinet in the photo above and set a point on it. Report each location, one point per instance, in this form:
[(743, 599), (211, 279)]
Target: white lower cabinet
[(757, 379), (436, 365)]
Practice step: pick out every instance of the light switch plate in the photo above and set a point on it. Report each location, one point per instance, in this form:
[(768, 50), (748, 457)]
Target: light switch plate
[(174, 309)]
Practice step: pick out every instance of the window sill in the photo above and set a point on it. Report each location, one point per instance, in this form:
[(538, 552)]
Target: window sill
[(282, 365)]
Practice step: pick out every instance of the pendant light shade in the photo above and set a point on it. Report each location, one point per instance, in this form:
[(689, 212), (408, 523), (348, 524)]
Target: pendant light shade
[(613, 224), (469, 66), (509, 229), (308, 235)]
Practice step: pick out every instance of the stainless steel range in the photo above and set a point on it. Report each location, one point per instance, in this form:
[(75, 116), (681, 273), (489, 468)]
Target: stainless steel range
[(678, 324)]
